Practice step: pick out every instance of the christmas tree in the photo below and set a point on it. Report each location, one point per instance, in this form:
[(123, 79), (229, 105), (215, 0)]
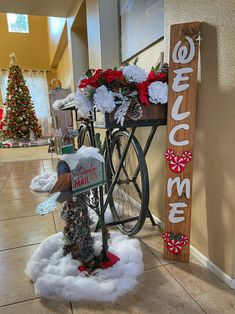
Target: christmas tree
[(20, 116)]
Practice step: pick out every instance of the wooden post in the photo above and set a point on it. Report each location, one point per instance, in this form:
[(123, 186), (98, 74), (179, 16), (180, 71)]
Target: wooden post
[(183, 65)]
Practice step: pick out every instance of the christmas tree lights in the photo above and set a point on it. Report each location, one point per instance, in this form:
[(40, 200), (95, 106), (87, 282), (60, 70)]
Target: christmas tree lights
[(20, 116)]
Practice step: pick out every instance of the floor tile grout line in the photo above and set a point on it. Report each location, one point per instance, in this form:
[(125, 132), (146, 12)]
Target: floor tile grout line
[(14, 199), (185, 289), (154, 267), (19, 247), (18, 302), (150, 251), (163, 264), (18, 217), (7, 178)]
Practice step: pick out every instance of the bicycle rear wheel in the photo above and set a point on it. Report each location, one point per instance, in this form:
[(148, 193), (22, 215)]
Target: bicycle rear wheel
[(130, 197)]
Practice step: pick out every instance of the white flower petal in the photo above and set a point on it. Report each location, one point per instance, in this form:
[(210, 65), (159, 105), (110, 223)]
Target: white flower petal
[(133, 73), (103, 99), (158, 92), (82, 103)]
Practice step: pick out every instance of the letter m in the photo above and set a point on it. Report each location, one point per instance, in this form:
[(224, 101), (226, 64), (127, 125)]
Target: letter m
[(179, 186)]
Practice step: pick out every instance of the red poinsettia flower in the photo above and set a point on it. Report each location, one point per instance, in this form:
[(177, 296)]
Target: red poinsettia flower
[(153, 76), (111, 75), (91, 81), (143, 92), (143, 87)]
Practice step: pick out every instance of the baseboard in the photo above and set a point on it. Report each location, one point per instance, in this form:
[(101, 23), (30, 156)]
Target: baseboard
[(206, 262), (212, 267)]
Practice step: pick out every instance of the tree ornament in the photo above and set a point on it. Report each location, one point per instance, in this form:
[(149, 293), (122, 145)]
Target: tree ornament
[(13, 59)]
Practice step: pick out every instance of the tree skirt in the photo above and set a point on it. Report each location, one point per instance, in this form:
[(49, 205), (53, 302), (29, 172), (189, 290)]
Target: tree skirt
[(57, 277), (10, 143)]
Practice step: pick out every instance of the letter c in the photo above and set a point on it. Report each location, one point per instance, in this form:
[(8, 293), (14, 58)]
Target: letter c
[(172, 135)]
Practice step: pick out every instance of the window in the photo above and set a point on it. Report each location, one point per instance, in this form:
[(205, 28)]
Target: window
[(142, 24), (17, 23)]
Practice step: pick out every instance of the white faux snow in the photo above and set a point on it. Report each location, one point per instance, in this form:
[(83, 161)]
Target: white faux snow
[(44, 182), (65, 102), (83, 104), (83, 152), (57, 277), (108, 216)]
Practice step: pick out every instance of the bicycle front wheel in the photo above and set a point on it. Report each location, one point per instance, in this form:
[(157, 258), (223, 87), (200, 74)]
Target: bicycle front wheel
[(129, 200)]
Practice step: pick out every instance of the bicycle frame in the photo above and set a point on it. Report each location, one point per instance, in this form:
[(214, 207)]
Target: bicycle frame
[(108, 137)]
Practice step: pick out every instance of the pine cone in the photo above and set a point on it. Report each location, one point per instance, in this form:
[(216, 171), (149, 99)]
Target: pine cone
[(164, 68), (135, 111)]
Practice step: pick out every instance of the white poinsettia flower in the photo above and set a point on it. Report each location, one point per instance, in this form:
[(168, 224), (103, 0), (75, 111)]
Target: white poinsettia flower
[(133, 73), (82, 103), (104, 100), (158, 92)]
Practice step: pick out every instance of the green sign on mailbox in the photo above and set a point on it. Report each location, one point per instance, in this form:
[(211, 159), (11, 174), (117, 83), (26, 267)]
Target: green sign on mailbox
[(88, 174)]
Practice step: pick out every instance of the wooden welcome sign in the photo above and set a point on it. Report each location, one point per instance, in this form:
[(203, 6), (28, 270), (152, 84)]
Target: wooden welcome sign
[(183, 65)]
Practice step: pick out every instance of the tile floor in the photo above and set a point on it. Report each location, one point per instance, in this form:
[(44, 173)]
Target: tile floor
[(165, 287)]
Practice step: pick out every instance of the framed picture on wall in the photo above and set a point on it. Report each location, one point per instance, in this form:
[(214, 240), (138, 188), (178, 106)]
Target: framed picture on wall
[(142, 24)]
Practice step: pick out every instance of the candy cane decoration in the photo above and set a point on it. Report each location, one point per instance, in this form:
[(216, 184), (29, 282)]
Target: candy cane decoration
[(184, 239), (178, 163), (175, 246), (169, 154), (175, 242), (187, 156), (166, 236)]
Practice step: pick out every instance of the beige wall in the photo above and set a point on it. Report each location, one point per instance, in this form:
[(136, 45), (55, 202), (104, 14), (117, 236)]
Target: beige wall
[(78, 41), (55, 27), (103, 33), (213, 213), (31, 49), (155, 156), (64, 69)]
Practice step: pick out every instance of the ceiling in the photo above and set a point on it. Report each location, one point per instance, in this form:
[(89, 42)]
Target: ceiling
[(59, 8)]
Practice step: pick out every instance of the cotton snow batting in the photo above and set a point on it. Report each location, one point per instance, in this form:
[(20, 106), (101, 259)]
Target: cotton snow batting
[(44, 182), (56, 276)]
